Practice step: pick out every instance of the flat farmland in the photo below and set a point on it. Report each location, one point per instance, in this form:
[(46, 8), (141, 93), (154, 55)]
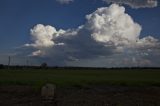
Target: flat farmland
[(81, 87), (80, 77)]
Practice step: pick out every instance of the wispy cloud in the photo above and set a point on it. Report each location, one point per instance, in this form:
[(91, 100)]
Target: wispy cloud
[(64, 1), (136, 3), (131, 3)]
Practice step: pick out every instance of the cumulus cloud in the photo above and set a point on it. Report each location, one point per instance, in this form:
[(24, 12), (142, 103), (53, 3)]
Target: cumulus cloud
[(43, 36), (136, 3), (64, 1), (108, 32), (113, 25)]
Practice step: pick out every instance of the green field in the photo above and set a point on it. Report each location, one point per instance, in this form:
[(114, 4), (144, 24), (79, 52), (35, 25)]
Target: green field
[(80, 77)]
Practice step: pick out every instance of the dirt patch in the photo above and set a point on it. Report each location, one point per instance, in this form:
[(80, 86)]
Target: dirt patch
[(82, 96)]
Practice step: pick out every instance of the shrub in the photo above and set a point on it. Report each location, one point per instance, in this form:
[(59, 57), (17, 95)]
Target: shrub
[(1, 66)]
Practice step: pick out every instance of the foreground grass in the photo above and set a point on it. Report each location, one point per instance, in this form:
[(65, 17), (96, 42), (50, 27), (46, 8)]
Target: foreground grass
[(76, 77)]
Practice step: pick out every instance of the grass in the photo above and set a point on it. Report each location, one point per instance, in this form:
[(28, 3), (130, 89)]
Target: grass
[(76, 77)]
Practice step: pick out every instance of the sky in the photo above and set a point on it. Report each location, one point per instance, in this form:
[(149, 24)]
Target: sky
[(87, 33)]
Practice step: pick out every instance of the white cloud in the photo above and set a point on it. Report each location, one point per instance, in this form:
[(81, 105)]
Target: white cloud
[(132, 3), (43, 36), (65, 1), (113, 25), (37, 53), (108, 31), (148, 41), (136, 3)]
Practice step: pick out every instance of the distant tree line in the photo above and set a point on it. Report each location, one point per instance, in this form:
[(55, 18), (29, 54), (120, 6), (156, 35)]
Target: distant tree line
[(2, 66), (45, 66)]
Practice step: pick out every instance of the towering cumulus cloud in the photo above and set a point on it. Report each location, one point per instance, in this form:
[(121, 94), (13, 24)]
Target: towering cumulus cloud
[(43, 37), (108, 32), (135, 3), (113, 25)]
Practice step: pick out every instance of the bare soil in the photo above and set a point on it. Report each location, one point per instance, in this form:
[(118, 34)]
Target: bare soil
[(99, 95)]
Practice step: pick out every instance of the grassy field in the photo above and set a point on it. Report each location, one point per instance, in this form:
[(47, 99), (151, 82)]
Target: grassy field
[(82, 77)]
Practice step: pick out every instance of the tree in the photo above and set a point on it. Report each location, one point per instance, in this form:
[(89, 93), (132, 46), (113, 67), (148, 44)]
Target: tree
[(44, 65), (1, 66)]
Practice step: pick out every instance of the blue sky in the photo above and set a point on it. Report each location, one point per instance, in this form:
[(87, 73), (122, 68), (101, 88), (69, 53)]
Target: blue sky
[(17, 17)]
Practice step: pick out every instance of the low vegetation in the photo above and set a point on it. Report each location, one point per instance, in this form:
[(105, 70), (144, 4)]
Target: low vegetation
[(80, 77)]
